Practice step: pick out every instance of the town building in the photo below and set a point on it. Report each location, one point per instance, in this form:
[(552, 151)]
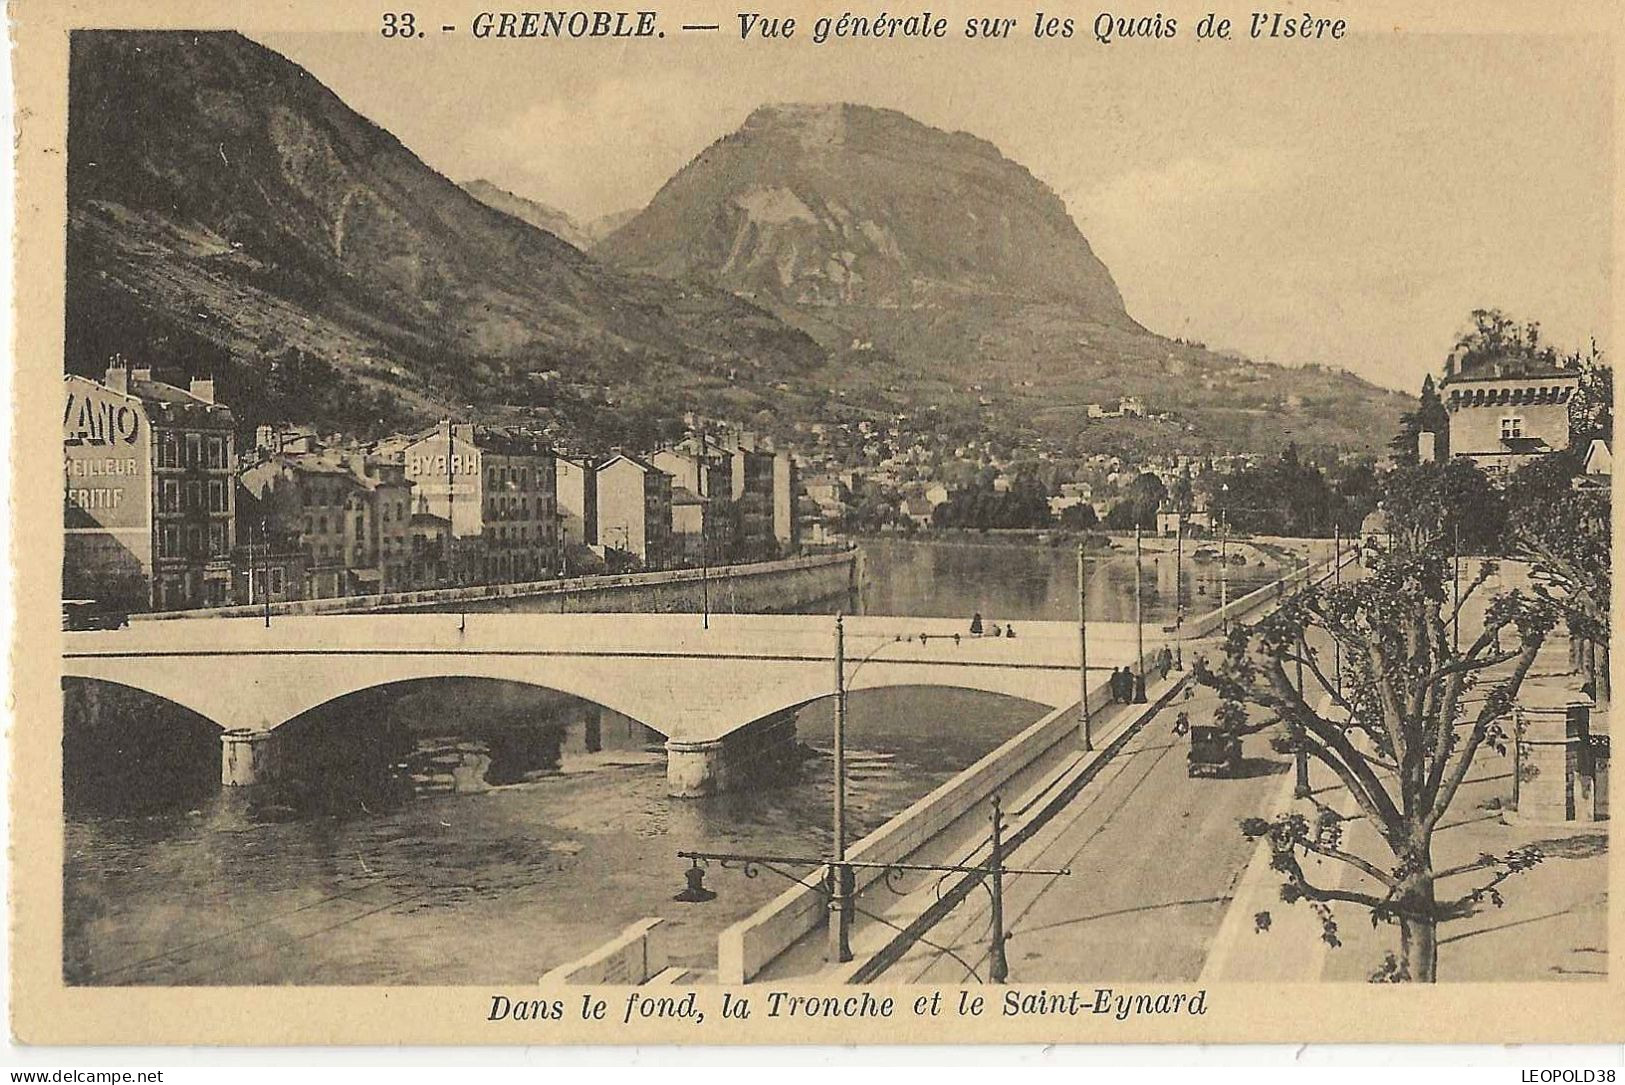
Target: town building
[(576, 485), (269, 563), (149, 506), (388, 497), (697, 465), (430, 539), (1506, 413), (786, 492), (498, 489), (635, 509), (318, 499), (693, 528)]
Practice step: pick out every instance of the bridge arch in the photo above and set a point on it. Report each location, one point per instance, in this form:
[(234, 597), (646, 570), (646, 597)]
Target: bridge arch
[(126, 750)]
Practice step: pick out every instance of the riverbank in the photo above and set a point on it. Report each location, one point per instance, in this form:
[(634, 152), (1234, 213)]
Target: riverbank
[(759, 587)]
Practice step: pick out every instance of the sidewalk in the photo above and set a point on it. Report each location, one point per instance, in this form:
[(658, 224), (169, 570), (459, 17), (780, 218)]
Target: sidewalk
[(1553, 925)]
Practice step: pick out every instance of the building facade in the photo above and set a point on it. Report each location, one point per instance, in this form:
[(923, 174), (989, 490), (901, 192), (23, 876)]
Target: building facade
[(1503, 416), (576, 483), (149, 506), (497, 488), (634, 509)]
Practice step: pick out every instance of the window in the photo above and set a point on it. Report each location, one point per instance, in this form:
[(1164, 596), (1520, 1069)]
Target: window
[(217, 451), (217, 539), (276, 580), (169, 454), (194, 496), (217, 495), (194, 540), (1511, 427), (194, 449), (170, 496), (321, 525), (169, 541)]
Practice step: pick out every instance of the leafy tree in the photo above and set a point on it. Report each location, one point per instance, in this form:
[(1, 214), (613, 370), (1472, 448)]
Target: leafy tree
[(1398, 732), (1079, 517), (1566, 535), (1139, 504), (1430, 416), (1591, 409), (1496, 338), (1428, 504)]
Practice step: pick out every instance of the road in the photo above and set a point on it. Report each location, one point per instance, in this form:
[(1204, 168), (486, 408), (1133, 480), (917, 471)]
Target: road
[(1154, 857)]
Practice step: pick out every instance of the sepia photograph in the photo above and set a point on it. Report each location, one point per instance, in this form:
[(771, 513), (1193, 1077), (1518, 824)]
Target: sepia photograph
[(1107, 513)]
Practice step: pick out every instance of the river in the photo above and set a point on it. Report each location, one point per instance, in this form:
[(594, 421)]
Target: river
[(477, 832)]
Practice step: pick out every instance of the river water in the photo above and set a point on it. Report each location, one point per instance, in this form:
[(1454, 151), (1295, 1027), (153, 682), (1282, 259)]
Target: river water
[(477, 832)]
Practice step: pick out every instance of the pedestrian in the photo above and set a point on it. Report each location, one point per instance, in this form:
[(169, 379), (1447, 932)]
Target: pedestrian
[(1120, 693), (1010, 631), (1182, 724), (997, 632), (976, 624)]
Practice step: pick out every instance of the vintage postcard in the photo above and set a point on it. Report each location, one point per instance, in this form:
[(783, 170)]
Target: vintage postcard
[(698, 524)]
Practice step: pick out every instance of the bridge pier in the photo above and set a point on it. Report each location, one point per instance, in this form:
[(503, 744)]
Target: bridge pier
[(758, 751), (248, 757), (695, 769)]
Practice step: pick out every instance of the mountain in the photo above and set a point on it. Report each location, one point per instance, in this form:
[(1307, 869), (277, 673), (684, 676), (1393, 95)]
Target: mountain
[(539, 215), (228, 213), (818, 205), (604, 225), (938, 271)]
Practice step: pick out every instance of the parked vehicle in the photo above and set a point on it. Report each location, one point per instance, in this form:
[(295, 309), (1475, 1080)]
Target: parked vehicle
[(91, 614), (1214, 752)]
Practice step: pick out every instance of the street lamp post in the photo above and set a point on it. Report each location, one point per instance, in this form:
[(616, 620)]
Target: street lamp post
[(1139, 625), (705, 575), (1179, 564), (998, 966), (1301, 758), (265, 589), (838, 882), (1083, 657), (840, 914), (1337, 581)]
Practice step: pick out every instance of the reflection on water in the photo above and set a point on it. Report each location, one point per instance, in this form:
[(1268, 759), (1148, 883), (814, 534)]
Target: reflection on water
[(469, 831), (1040, 583)]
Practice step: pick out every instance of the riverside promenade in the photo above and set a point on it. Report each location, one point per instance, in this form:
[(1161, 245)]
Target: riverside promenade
[(1552, 926)]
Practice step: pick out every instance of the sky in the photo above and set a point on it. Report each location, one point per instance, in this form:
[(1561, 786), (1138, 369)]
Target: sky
[(1346, 203)]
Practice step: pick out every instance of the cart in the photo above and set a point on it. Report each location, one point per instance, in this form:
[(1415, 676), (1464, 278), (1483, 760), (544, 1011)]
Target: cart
[(1214, 752)]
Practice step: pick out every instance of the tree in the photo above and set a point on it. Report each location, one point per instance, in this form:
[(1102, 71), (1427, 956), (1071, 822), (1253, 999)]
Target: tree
[(1591, 409), (1497, 339), (1397, 732), (1079, 517), (1435, 504), (1566, 535), (1138, 506), (1430, 416)]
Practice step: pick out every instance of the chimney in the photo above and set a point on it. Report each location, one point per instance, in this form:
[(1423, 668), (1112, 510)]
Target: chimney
[(141, 373), (203, 388), (118, 377)]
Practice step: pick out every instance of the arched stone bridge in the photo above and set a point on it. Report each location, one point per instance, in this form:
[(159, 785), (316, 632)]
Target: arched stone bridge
[(697, 686)]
